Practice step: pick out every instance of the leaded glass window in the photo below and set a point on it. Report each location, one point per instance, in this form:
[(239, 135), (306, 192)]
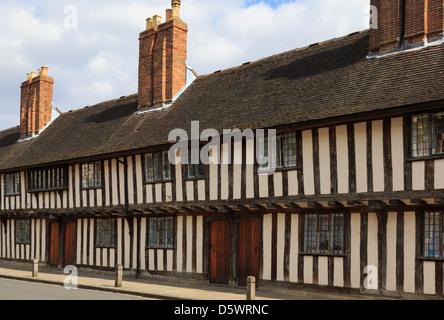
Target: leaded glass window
[(161, 232), (11, 184), (157, 167), (105, 233), (48, 179), (286, 156), (324, 233), (195, 170), (22, 231), (427, 134), (433, 246), (92, 175)]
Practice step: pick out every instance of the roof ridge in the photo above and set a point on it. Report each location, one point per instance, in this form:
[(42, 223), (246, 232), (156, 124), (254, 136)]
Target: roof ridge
[(300, 49), (127, 97)]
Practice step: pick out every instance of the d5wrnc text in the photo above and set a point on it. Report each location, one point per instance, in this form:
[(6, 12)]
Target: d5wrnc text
[(243, 310)]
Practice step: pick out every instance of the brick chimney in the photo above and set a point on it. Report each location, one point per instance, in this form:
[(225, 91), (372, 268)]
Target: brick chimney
[(35, 103), (405, 24), (162, 56)]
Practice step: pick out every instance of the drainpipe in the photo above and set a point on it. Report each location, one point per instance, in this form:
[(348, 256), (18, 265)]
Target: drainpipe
[(403, 20)]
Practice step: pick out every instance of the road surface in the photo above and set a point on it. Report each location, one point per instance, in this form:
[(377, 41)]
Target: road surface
[(22, 290)]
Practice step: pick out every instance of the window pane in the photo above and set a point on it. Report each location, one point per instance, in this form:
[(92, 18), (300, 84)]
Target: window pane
[(166, 167), (22, 231), (85, 175), (290, 149), (431, 235), (149, 167), (98, 174), (105, 233), (152, 238), (310, 233), (262, 149), (323, 234), (157, 166), (420, 135), (437, 133), (337, 235), (170, 232), (279, 152), (161, 232)]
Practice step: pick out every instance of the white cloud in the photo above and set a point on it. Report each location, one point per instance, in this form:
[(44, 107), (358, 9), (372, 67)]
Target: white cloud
[(99, 60)]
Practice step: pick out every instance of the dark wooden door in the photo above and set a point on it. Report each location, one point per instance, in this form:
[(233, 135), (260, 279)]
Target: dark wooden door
[(54, 245), (248, 251), (69, 253), (220, 252)]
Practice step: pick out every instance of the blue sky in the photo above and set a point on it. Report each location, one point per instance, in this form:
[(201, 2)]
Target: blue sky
[(98, 60)]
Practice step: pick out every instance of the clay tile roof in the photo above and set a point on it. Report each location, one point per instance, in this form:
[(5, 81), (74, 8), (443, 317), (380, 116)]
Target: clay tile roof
[(326, 80)]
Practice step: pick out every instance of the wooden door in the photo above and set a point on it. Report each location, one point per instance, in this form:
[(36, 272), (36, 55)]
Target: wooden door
[(219, 252), (69, 254), (54, 245), (248, 252)]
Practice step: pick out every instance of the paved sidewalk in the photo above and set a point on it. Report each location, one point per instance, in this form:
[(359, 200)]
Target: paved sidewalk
[(157, 289)]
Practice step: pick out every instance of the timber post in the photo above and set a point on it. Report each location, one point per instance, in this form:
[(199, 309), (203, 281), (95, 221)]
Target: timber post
[(35, 269), (251, 288), (119, 275)]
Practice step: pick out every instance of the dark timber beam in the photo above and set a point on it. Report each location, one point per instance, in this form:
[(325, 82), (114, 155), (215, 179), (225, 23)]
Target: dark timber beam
[(314, 204)]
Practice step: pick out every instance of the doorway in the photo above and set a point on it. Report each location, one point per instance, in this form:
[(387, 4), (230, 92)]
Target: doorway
[(219, 252), (248, 251)]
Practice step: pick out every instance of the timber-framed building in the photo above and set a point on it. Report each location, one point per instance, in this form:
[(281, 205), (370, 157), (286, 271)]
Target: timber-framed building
[(360, 157)]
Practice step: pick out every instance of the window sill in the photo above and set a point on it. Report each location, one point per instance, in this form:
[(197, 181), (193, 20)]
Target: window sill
[(431, 259), (338, 255), (195, 179), (156, 182), (265, 172), (424, 158), (162, 248), (12, 195), (104, 247), (91, 188), (47, 190)]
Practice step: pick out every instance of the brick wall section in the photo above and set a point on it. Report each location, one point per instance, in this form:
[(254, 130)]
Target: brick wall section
[(435, 18), (415, 21), (35, 105), (162, 68), (386, 36), (423, 19)]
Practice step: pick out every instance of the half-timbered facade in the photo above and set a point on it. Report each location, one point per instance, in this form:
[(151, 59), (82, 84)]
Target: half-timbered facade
[(359, 184)]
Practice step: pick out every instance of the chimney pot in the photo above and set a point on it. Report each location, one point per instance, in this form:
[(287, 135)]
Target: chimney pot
[(157, 20), (44, 71), (33, 75), (175, 4), (28, 76), (149, 23), (169, 14)]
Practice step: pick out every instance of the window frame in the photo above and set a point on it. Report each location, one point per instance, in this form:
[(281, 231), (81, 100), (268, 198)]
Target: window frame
[(15, 185), (164, 157), (440, 237), (165, 245), (430, 155), (88, 178), (331, 230), (281, 149), (196, 166), (49, 175), (113, 222), (28, 229)]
